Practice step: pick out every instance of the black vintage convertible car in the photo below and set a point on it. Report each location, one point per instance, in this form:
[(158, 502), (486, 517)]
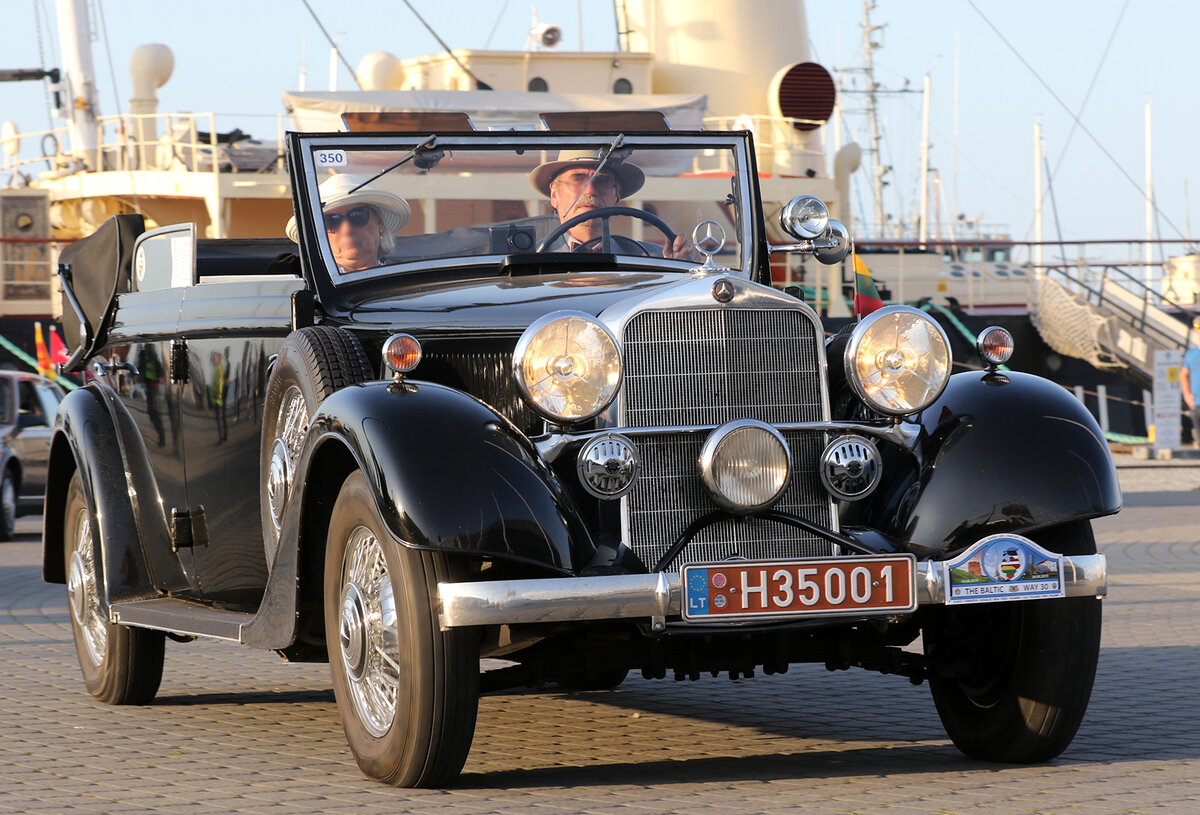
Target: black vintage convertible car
[(529, 397)]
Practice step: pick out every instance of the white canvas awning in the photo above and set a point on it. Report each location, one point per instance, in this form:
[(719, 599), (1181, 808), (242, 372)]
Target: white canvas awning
[(500, 110)]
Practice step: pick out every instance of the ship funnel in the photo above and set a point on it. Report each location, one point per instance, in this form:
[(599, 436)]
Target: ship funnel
[(150, 67)]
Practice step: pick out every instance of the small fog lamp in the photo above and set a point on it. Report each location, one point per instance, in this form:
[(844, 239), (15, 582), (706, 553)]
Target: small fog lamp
[(804, 217)]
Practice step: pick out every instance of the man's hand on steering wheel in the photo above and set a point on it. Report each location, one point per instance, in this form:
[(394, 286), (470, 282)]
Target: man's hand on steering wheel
[(678, 246)]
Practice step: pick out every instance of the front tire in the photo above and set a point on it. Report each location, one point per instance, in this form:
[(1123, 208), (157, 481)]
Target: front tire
[(121, 665), (1011, 681), (407, 692)]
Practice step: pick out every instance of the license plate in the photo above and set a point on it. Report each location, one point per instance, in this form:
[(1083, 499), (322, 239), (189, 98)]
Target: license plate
[(781, 589)]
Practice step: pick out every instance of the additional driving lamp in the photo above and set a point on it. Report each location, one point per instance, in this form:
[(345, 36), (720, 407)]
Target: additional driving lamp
[(745, 464)]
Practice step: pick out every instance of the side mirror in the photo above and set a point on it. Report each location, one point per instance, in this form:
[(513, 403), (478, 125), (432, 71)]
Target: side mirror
[(834, 245)]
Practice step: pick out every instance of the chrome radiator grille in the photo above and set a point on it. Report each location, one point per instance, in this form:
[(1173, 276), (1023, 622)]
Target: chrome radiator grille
[(707, 367), (716, 365)]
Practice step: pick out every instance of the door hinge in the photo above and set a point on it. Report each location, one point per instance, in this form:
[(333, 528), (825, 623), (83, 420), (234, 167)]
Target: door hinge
[(189, 528), (179, 360)]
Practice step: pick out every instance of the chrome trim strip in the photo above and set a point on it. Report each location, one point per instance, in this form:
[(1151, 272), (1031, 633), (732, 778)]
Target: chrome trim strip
[(902, 434), (646, 596)]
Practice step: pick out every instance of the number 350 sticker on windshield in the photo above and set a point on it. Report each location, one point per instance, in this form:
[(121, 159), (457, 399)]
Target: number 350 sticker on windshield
[(798, 588)]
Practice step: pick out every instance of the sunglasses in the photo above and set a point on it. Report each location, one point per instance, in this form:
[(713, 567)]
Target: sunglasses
[(357, 217)]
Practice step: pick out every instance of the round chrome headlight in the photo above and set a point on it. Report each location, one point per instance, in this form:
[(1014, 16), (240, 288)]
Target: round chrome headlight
[(567, 366), (804, 217), (898, 360), (745, 465)]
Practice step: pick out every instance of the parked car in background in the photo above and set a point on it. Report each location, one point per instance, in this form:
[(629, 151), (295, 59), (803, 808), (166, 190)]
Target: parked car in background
[(491, 435), (28, 404)]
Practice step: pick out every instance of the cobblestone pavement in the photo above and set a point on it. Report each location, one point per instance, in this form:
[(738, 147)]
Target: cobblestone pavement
[(240, 731)]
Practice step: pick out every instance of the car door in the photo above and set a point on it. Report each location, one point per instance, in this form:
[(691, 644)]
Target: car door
[(230, 330), (136, 369)]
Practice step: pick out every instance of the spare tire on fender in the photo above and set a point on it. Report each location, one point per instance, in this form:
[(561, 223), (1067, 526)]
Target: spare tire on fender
[(312, 364)]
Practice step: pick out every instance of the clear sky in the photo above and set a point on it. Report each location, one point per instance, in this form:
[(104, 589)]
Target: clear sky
[(236, 59)]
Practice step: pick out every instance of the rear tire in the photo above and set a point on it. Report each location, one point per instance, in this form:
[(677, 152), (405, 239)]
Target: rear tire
[(313, 363), (121, 665), (407, 692), (8, 505), (1017, 676)]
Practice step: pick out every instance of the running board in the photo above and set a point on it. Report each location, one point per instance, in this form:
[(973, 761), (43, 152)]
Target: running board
[(181, 617)]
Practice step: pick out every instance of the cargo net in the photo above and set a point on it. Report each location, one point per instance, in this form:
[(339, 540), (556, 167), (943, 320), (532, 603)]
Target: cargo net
[(1070, 325)]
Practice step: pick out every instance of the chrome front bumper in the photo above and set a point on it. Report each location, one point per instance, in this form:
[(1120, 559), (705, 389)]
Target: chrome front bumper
[(656, 597)]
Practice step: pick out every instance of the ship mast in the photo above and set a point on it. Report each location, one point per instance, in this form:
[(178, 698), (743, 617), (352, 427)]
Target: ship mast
[(878, 171)]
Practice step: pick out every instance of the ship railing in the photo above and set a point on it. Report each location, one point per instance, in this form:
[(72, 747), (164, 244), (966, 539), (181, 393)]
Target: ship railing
[(1137, 292), (970, 274), (782, 144), (131, 142)]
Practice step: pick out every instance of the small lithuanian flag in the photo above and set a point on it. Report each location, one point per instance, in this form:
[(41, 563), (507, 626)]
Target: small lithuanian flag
[(866, 296)]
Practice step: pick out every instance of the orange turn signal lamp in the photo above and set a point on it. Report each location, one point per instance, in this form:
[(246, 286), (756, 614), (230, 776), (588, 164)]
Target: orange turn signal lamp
[(995, 345), (401, 353)]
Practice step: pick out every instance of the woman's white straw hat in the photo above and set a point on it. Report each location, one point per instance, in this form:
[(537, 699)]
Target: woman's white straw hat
[(335, 192)]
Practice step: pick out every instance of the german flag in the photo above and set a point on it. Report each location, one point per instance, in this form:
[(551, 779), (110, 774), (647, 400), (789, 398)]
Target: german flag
[(866, 296)]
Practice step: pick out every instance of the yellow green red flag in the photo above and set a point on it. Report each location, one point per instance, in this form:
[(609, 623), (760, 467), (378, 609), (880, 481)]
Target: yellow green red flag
[(866, 296), (43, 355)]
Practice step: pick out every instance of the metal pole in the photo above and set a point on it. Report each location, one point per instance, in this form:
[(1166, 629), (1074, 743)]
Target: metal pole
[(1037, 196), (923, 226), (1149, 274)]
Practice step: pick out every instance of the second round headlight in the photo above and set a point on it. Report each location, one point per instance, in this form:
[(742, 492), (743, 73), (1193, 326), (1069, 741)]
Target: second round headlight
[(567, 366), (898, 360)]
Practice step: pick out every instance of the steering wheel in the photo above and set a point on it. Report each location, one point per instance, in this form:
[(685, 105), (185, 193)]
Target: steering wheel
[(606, 213)]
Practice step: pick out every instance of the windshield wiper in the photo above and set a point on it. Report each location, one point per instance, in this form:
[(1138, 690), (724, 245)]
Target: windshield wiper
[(427, 146)]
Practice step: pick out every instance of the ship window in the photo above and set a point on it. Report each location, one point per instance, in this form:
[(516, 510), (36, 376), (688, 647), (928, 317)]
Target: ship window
[(538, 85), (622, 85)]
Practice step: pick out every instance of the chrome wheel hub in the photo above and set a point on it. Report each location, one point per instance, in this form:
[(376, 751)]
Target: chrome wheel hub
[(84, 596), (290, 430), (368, 638), (279, 477)]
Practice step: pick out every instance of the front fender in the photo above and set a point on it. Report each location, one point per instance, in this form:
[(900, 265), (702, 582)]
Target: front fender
[(451, 474), (997, 453)]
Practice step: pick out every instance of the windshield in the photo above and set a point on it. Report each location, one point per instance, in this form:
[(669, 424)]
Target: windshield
[(393, 204)]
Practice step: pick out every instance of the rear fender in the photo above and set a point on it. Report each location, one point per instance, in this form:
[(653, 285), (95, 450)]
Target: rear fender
[(137, 557), (997, 453)]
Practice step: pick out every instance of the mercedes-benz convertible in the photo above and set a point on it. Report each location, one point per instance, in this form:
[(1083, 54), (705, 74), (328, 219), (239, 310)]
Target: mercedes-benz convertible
[(528, 400)]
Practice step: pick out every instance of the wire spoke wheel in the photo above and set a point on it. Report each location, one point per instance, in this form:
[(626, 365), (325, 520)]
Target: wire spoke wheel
[(369, 643), (83, 592), (120, 665), (407, 691)]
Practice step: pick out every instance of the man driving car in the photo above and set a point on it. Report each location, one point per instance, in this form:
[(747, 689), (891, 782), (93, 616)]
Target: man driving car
[(574, 187)]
